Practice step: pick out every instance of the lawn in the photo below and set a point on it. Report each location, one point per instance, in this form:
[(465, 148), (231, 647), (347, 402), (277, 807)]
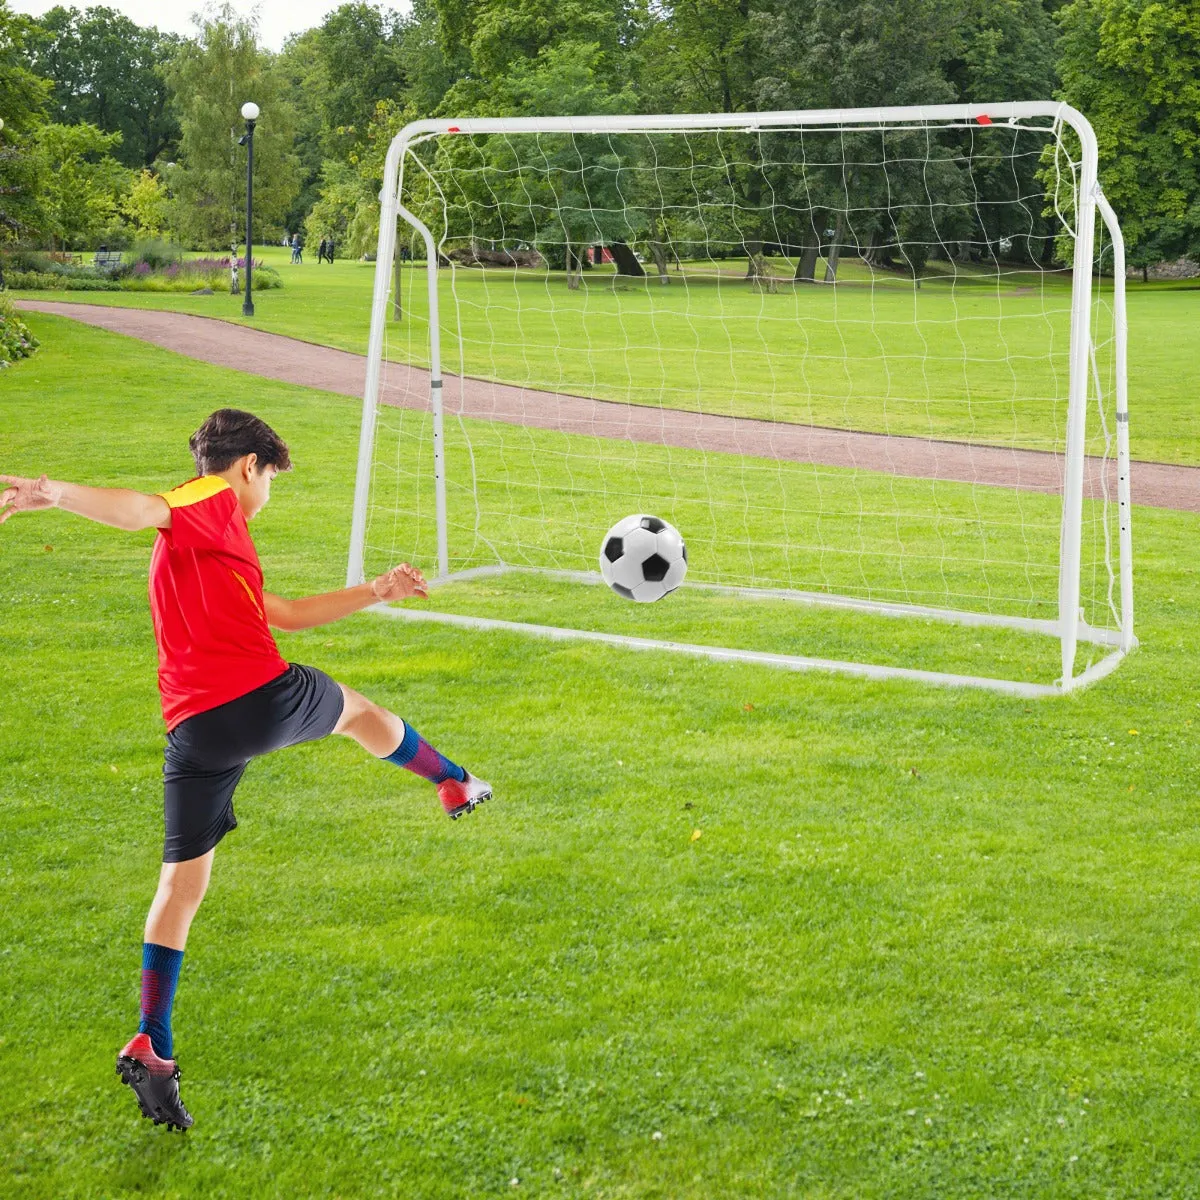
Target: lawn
[(723, 932), (868, 355)]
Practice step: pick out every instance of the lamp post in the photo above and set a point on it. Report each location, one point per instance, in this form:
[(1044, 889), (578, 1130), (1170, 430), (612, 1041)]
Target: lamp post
[(250, 114)]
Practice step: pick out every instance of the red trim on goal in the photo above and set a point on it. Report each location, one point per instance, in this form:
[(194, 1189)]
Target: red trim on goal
[(984, 119)]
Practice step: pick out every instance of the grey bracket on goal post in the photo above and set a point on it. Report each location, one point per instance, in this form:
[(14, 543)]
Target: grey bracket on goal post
[(1087, 200)]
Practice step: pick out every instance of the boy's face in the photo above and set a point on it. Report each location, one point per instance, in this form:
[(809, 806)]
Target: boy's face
[(257, 491), (251, 482)]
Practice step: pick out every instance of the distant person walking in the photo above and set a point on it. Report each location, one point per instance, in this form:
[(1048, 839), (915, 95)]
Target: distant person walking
[(297, 249), (321, 250)]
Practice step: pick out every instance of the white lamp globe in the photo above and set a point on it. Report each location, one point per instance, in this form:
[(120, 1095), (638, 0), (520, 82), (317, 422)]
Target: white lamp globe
[(250, 111)]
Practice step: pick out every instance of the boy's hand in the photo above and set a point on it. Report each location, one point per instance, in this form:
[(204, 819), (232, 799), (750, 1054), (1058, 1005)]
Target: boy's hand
[(400, 583), (27, 495)]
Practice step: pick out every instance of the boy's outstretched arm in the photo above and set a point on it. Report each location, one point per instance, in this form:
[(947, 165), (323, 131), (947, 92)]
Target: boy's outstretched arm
[(399, 583), (119, 507)]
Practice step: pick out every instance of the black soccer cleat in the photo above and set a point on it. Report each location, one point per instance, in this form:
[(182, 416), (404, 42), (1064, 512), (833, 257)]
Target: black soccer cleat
[(155, 1083)]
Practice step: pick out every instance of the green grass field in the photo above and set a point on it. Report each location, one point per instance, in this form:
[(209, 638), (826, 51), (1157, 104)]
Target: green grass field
[(876, 356), (827, 938)]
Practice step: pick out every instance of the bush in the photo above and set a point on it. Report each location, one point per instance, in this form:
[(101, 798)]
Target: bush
[(25, 260), (60, 279), (15, 339), (177, 276), (156, 253), (197, 273)]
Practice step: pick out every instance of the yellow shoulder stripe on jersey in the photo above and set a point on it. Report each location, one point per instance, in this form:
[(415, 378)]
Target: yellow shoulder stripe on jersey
[(194, 491)]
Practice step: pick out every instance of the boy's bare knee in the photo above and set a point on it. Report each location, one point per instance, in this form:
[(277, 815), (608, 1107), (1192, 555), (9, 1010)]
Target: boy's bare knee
[(184, 884), (355, 707)]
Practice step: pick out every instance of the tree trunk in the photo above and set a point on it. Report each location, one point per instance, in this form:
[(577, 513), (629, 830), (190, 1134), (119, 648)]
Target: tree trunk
[(626, 260), (755, 261), (757, 271), (658, 252), (806, 268), (879, 252), (1145, 274), (574, 271), (835, 251)]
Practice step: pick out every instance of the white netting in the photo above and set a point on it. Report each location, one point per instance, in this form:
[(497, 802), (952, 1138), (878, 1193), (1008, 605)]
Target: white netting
[(836, 358)]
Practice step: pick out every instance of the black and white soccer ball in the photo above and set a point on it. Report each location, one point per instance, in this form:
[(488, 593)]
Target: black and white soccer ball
[(643, 558)]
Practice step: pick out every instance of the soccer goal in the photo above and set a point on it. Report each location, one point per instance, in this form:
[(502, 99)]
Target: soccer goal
[(869, 362)]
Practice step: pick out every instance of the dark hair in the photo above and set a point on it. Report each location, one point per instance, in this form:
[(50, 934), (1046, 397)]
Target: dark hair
[(229, 434)]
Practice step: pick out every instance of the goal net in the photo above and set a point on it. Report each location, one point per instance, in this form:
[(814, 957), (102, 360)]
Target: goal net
[(870, 363)]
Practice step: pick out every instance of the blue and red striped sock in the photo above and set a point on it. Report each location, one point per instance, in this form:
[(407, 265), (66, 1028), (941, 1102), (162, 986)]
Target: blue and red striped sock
[(160, 974), (415, 754)]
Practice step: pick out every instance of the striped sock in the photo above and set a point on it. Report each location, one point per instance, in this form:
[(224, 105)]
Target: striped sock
[(417, 755), (160, 974)]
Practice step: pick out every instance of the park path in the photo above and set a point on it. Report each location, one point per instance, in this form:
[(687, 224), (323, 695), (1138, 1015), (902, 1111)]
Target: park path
[(274, 356)]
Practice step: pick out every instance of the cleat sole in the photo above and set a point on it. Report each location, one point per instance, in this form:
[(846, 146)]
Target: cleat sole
[(470, 806), (136, 1075)]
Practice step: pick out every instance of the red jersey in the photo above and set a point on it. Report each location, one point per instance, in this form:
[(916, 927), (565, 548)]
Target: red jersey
[(206, 598)]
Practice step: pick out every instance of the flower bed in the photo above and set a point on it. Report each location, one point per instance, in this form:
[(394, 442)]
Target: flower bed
[(15, 339), (150, 271)]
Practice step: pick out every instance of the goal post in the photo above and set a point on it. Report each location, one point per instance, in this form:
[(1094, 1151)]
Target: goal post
[(869, 361)]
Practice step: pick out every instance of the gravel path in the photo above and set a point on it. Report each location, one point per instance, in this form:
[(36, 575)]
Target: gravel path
[(228, 345)]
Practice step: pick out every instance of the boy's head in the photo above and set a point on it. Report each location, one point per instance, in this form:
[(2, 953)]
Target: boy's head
[(245, 451)]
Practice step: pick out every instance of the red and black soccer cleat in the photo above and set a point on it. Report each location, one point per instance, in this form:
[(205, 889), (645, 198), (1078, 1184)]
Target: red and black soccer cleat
[(458, 798), (155, 1083)]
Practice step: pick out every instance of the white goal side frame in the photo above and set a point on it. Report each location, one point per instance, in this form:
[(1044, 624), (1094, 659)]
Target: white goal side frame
[(1069, 627)]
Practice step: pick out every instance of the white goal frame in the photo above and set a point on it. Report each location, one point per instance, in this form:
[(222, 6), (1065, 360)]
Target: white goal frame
[(1069, 627)]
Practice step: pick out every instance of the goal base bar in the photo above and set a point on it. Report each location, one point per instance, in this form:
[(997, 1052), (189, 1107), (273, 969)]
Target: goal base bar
[(788, 662), (886, 608)]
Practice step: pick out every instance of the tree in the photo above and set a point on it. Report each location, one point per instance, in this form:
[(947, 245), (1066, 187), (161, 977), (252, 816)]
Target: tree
[(496, 36), (1132, 67), (23, 100), (359, 47), (341, 196), (578, 183), (145, 205), (83, 182), (337, 73), (210, 78), (305, 83), (108, 71)]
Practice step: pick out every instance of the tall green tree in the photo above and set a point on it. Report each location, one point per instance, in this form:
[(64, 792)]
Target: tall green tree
[(305, 84), (1132, 67), (83, 183), (210, 78), (500, 35), (23, 102), (337, 73), (431, 67), (360, 49), (108, 71)]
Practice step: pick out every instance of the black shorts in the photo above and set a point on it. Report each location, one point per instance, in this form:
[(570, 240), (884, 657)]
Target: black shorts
[(207, 753)]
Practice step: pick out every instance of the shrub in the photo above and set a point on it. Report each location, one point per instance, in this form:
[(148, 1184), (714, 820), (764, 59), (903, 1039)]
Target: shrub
[(25, 260), (60, 280), (33, 280), (15, 339), (140, 276), (155, 253)]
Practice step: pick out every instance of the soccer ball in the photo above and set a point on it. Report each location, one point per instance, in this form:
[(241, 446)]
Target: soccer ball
[(643, 558)]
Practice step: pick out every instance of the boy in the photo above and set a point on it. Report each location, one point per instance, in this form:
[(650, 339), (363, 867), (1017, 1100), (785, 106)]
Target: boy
[(227, 695)]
